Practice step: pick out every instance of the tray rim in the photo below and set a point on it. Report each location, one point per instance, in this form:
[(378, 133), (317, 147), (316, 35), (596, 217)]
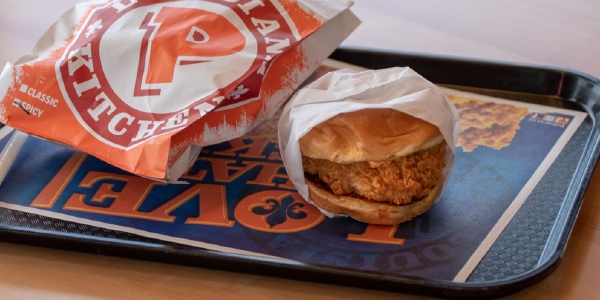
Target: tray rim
[(364, 279)]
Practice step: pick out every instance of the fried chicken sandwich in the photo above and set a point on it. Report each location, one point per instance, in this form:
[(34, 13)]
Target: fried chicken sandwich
[(379, 166)]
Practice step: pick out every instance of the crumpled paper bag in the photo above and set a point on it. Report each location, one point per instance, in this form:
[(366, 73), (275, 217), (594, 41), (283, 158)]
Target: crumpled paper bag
[(144, 85)]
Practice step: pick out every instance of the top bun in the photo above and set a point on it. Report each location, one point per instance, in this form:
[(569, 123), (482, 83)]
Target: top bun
[(369, 135)]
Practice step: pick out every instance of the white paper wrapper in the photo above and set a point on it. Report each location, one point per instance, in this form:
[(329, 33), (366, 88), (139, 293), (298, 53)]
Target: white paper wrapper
[(345, 90)]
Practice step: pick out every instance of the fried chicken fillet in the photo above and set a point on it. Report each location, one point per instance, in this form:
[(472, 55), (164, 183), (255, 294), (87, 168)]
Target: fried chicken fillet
[(379, 166)]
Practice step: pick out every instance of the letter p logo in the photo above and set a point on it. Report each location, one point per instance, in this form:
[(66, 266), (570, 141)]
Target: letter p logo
[(182, 36)]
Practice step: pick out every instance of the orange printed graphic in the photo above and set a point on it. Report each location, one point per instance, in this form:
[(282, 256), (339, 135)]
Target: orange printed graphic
[(226, 170), (222, 169), (189, 33), (125, 203), (277, 211), (307, 21), (105, 192), (213, 205), (275, 155), (57, 185), (381, 234), (269, 172), (197, 176)]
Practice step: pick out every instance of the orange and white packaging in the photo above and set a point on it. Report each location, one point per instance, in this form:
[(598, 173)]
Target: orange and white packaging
[(143, 85), (347, 90)]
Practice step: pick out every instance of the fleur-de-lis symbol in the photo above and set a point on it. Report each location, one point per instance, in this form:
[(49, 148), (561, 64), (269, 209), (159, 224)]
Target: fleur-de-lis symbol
[(279, 212), (92, 28), (237, 92)]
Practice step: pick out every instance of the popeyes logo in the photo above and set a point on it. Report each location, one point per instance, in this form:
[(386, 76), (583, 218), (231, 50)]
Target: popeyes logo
[(141, 69)]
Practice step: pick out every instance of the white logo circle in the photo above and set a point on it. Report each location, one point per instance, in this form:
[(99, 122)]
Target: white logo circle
[(155, 68)]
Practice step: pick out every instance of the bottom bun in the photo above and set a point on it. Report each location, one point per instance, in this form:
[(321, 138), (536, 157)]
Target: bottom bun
[(369, 211)]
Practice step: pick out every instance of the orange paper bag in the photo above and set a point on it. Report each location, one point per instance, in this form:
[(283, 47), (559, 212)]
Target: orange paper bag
[(143, 85)]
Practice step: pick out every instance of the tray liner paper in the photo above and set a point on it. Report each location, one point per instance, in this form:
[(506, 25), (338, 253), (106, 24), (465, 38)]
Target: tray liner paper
[(239, 198), (143, 85)]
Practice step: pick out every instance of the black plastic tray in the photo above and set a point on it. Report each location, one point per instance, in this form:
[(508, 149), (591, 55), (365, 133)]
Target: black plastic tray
[(509, 266)]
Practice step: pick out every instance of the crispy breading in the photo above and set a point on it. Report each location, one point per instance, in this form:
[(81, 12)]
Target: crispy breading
[(399, 181)]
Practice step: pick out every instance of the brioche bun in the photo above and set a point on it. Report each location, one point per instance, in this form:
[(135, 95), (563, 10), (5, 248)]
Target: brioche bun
[(369, 211), (369, 135)]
